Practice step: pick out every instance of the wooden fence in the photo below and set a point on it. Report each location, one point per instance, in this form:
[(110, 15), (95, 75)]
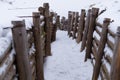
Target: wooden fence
[(95, 38), (25, 59)]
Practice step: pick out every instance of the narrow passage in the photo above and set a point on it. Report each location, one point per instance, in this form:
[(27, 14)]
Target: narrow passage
[(67, 62)]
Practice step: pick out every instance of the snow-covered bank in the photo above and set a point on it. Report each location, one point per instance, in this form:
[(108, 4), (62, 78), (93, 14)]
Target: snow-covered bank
[(66, 62)]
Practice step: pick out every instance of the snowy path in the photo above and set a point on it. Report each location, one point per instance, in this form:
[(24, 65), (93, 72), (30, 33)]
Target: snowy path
[(66, 62)]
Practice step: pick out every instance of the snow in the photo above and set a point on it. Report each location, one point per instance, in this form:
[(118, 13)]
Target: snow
[(6, 63), (66, 62)]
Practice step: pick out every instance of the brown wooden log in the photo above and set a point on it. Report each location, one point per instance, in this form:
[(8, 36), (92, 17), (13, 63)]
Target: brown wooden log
[(47, 30), (69, 21), (81, 26), (115, 67), (84, 39), (108, 59), (37, 42), (8, 62), (94, 49), (101, 74), (10, 74), (110, 44), (75, 25), (111, 33), (101, 47), (96, 40), (105, 71), (99, 33), (92, 26), (21, 49)]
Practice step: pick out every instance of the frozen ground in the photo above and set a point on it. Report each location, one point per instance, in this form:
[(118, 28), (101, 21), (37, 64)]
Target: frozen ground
[(66, 62)]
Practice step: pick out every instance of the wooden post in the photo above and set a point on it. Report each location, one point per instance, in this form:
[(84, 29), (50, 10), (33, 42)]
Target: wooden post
[(115, 67), (21, 49), (58, 22), (72, 24), (69, 21), (51, 26), (81, 26), (84, 39), (92, 26), (37, 42), (47, 30), (75, 25), (101, 47)]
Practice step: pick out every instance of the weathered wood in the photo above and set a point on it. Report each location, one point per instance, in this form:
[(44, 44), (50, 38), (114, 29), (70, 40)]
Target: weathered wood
[(101, 47), (115, 67), (81, 26), (37, 42), (108, 59), (110, 44), (47, 30), (10, 74), (72, 23), (92, 26), (84, 39), (111, 33), (69, 21), (105, 71), (21, 49), (8, 62), (96, 40), (99, 33), (75, 25), (94, 49), (3, 57)]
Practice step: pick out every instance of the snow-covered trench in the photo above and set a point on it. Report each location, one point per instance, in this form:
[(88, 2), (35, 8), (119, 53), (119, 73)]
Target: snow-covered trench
[(67, 62)]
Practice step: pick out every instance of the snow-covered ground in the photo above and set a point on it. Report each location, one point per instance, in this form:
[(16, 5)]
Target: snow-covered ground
[(66, 62)]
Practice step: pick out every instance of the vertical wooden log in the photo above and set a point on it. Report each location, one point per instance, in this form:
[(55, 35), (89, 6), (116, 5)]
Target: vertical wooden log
[(21, 49), (115, 67), (37, 42), (69, 22), (81, 26), (84, 39), (101, 47), (75, 25), (72, 24), (58, 22), (51, 26), (92, 26), (47, 30)]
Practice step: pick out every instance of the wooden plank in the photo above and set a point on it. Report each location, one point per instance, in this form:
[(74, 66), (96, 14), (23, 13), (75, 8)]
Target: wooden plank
[(84, 39), (110, 44), (21, 49), (5, 53), (99, 33), (10, 74), (96, 40), (115, 67), (105, 71), (8, 62), (108, 59), (47, 30), (75, 25), (111, 33), (101, 47), (37, 42), (90, 32), (81, 26)]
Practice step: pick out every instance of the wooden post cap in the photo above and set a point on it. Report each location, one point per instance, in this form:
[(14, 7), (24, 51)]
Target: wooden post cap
[(18, 23)]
